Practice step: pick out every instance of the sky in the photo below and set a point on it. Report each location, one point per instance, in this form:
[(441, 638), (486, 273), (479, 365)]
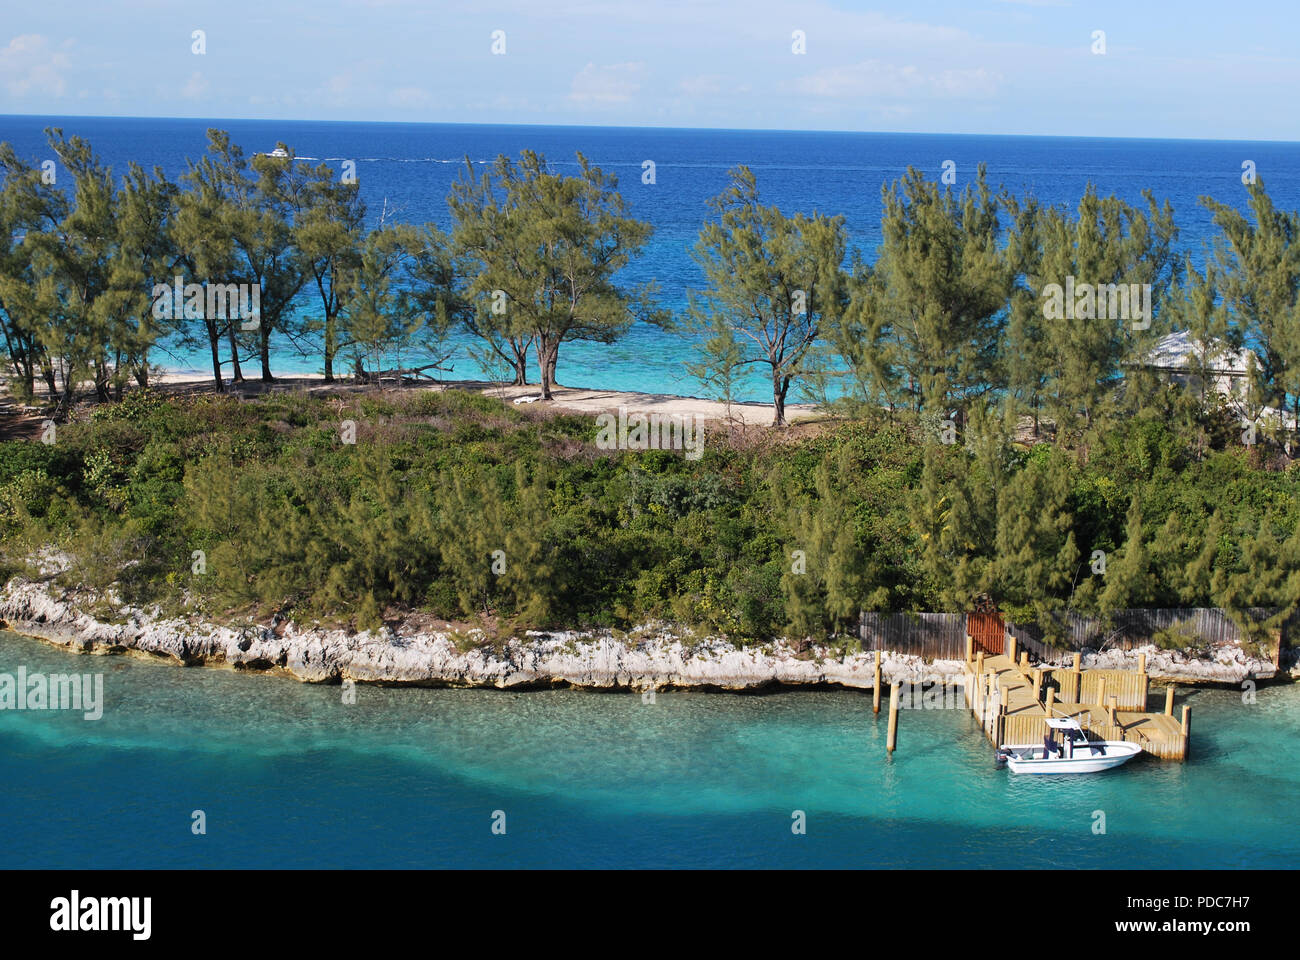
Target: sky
[(1189, 69)]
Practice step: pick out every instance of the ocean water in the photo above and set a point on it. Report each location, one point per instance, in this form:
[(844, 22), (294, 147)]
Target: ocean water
[(290, 776), (408, 169)]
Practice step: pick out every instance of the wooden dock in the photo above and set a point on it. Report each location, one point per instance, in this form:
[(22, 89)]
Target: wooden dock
[(1012, 701)]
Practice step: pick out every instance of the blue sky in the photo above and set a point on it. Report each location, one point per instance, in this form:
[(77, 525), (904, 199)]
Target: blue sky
[(1196, 68)]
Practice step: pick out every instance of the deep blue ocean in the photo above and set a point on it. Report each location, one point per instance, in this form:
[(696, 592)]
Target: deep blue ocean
[(408, 168)]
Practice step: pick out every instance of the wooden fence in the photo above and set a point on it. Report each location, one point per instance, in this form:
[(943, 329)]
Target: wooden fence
[(942, 636), (936, 636)]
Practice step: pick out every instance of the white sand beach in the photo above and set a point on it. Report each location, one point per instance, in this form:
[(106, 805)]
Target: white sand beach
[(579, 399)]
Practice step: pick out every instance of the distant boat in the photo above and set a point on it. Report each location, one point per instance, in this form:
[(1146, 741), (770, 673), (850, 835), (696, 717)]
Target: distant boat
[(1076, 755), (277, 152)]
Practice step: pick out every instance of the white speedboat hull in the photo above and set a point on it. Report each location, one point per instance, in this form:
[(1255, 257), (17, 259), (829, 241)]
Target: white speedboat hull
[(1091, 757)]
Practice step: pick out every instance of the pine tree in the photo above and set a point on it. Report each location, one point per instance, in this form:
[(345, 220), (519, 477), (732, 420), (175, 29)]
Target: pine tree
[(377, 313), (247, 207), (28, 206), (825, 577), (544, 250), (144, 253), (1129, 582), (1105, 244), (774, 281), (1037, 559), (943, 285), (72, 266), (855, 369), (1025, 358), (329, 219)]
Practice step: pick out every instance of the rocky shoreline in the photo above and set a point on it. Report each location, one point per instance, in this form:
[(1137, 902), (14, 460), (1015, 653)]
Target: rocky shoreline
[(652, 658)]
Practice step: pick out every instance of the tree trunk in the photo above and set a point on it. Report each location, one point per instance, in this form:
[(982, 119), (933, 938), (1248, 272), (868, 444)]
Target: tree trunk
[(66, 397), (236, 373), (545, 364), (101, 381), (331, 335), (520, 362), (214, 342), (265, 352), (780, 387), (61, 410)]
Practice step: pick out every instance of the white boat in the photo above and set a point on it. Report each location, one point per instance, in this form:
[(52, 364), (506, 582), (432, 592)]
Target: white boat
[(277, 152), (1075, 754)]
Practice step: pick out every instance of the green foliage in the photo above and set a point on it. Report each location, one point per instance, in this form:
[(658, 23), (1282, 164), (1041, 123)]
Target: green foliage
[(413, 515), (774, 282), (926, 319), (540, 251), (26, 494)]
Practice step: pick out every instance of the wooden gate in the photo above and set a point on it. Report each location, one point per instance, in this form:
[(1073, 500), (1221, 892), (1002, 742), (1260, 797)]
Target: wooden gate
[(988, 631)]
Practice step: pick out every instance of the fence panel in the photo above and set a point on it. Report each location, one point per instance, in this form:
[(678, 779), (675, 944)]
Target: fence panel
[(942, 636), (936, 636)]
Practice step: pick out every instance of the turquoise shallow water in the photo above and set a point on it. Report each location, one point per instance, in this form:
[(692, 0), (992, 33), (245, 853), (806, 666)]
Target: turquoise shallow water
[(290, 776)]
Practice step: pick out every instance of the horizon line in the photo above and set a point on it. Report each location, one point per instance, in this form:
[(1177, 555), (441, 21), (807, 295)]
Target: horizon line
[(626, 126)]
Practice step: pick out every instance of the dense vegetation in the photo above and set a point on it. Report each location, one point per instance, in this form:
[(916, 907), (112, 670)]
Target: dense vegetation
[(290, 518), (995, 437)]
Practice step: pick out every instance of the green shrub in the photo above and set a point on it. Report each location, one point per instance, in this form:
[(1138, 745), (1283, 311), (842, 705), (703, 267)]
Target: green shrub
[(412, 514)]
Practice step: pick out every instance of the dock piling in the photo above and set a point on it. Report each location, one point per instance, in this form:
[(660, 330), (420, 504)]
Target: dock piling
[(1169, 700), (1187, 728), (875, 693), (891, 741)]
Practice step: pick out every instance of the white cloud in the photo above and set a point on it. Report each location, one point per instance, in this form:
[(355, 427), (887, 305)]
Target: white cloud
[(703, 85), (410, 97), (30, 65), (195, 87), (607, 84), (876, 78)]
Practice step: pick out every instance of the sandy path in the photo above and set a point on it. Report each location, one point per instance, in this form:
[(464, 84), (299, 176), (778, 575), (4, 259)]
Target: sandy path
[(568, 398)]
